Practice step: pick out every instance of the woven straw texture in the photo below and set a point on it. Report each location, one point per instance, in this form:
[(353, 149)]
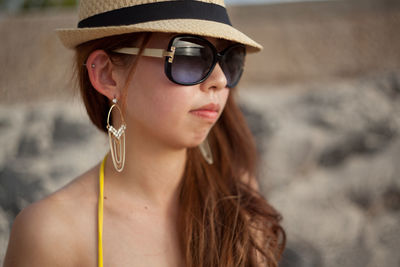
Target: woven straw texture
[(89, 8), (75, 36)]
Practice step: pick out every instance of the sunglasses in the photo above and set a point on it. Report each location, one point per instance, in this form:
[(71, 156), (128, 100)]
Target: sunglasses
[(190, 59)]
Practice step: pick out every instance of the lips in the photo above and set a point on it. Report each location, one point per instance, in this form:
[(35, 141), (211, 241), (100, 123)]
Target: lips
[(209, 111), (209, 107)]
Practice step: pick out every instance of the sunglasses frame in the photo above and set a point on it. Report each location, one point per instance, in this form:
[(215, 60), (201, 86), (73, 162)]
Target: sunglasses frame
[(170, 53)]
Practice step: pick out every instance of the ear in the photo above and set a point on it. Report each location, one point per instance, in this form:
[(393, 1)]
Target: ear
[(101, 74)]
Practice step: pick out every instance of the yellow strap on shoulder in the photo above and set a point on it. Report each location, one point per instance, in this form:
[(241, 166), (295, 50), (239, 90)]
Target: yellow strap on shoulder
[(100, 213)]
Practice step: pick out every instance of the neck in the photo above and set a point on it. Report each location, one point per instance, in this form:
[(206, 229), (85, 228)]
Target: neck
[(152, 171)]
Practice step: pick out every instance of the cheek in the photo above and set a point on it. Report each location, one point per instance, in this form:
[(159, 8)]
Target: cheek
[(142, 91), (169, 103), (223, 97), (153, 99)]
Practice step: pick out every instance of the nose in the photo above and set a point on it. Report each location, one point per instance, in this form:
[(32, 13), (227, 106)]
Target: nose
[(216, 80)]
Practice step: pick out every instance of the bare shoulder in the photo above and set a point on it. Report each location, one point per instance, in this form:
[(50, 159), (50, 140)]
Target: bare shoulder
[(47, 233), (37, 236)]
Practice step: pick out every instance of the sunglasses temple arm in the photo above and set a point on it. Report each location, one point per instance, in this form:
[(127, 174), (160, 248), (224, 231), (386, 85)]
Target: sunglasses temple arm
[(149, 52)]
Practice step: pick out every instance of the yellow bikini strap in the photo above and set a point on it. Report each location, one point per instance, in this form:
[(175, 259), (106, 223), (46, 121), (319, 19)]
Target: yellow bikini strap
[(100, 213)]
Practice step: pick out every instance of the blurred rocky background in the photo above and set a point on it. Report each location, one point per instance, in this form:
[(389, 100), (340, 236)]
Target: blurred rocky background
[(322, 99)]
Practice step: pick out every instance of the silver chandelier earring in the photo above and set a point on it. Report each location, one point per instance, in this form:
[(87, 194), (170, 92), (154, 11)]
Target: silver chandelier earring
[(206, 151), (117, 139)]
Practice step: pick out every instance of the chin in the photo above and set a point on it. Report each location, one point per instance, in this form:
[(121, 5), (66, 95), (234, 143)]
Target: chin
[(192, 140), (195, 142)]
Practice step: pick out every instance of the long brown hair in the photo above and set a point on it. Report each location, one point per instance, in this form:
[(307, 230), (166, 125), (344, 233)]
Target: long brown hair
[(224, 221)]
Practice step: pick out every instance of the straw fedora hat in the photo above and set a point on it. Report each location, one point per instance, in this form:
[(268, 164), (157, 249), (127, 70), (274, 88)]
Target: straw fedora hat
[(103, 18)]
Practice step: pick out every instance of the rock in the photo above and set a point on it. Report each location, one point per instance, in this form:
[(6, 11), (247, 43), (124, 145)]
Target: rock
[(4, 233), (382, 236), (66, 132), (331, 168), (258, 126), (18, 188), (391, 199), (12, 127), (301, 254)]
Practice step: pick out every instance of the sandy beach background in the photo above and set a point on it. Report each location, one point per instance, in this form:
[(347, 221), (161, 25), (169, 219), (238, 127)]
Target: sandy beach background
[(322, 99)]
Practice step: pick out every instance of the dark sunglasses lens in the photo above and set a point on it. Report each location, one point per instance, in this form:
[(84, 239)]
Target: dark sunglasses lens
[(192, 61), (232, 64)]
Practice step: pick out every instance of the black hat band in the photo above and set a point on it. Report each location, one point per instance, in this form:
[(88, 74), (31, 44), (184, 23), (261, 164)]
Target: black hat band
[(187, 9)]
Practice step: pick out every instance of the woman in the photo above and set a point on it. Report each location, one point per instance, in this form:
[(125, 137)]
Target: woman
[(178, 186)]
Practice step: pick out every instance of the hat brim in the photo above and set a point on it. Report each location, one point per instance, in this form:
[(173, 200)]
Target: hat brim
[(76, 36)]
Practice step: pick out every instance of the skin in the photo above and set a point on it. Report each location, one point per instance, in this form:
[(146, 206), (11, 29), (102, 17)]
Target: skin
[(140, 206)]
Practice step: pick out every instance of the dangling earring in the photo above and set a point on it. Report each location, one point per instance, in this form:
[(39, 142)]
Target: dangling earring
[(206, 151), (117, 139)]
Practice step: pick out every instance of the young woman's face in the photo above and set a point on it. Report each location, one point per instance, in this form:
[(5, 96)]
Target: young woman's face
[(159, 108)]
